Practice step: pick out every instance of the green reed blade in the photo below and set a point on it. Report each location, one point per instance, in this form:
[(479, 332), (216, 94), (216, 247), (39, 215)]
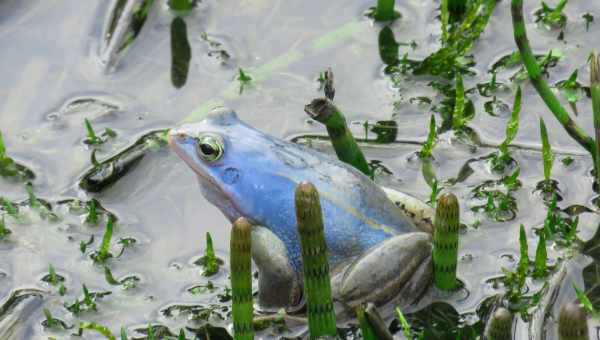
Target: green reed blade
[(547, 155), (317, 285), (595, 90), (241, 279)]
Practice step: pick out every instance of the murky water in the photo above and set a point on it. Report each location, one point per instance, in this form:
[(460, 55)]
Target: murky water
[(52, 79)]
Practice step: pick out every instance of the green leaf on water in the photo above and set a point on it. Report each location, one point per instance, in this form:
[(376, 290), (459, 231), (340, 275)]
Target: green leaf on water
[(93, 326), (427, 148), (123, 333), (108, 276), (547, 154), (513, 124), (584, 300), (541, 257), (92, 213), (552, 17)]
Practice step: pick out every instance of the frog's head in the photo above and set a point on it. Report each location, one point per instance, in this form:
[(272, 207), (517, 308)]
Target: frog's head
[(230, 158)]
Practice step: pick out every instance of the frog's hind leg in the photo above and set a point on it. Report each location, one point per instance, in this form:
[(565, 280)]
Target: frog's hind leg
[(278, 282), (399, 269)]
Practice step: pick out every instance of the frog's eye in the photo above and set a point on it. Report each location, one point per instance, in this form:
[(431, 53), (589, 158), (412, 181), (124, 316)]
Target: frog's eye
[(210, 147)]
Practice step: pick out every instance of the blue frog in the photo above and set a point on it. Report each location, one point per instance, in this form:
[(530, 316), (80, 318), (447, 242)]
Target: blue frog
[(377, 251)]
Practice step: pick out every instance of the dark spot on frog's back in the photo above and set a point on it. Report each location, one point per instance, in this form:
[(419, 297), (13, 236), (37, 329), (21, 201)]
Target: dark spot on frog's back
[(231, 175)]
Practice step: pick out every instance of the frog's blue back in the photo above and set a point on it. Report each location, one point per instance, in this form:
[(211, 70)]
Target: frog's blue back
[(257, 177)]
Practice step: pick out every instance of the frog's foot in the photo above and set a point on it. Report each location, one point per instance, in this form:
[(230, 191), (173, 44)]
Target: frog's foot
[(278, 283), (419, 212), (398, 270)]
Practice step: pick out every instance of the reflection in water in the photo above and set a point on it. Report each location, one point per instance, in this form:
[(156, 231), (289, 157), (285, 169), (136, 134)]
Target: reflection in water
[(181, 53), (127, 17)]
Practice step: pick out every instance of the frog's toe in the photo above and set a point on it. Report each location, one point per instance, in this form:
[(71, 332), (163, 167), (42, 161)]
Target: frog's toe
[(278, 285), (399, 269)]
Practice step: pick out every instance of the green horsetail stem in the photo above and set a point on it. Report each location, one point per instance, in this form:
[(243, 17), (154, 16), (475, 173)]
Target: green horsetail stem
[(595, 90), (324, 111), (572, 322), (317, 285), (500, 327), (241, 280), (445, 242), (535, 75), (385, 10)]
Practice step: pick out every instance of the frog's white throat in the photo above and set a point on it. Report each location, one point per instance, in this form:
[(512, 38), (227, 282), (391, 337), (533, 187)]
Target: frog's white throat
[(218, 198)]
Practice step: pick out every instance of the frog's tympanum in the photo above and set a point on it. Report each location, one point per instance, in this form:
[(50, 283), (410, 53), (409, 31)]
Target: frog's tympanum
[(377, 254)]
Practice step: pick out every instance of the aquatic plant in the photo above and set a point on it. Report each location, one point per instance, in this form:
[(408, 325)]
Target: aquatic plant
[(9, 168), (241, 279), (541, 258), (324, 111), (103, 252), (552, 17), (92, 138), (500, 325), (585, 301), (366, 329), (209, 261), (427, 147), (552, 102), (445, 242), (317, 285), (502, 158), (244, 79)]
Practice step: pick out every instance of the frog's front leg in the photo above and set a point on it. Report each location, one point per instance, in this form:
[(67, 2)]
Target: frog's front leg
[(399, 269), (278, 283)]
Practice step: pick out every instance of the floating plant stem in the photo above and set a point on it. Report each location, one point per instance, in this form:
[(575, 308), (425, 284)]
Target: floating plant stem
[(535, 75), (572, 322), (406, 329), (500, 327), (445, 242), (595, 90), (109, 171), (241, 280), (317, 285), (182, 5), (547, 154), (346, 148)]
